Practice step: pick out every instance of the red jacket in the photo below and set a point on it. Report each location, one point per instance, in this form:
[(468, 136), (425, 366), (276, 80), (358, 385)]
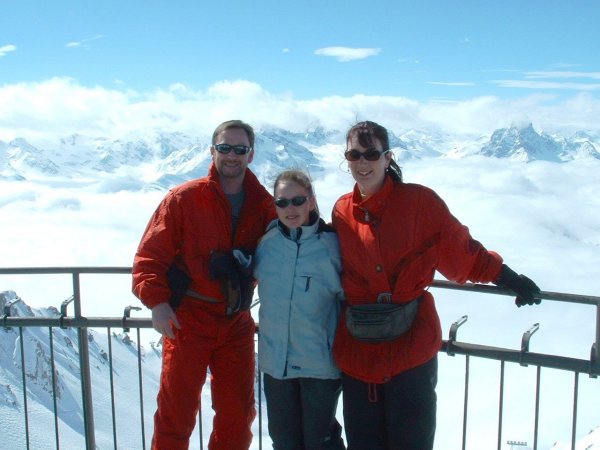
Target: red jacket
[(191, 221), (394, 242)]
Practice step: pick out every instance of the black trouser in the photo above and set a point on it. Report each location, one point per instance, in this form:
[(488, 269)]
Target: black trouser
[(397, 415), (301, 413)]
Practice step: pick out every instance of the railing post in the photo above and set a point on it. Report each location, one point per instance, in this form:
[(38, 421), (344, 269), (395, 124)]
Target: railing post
[(501, 405), (24, 381), (84, 367), (525, 342), (452, 334), (126, 315), (595, 357)]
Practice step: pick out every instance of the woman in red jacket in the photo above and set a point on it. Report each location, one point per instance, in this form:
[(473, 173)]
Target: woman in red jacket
[(393, 237)]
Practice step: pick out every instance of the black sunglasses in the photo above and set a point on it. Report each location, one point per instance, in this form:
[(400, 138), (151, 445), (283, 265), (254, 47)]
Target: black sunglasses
[(237, 149), (282, 202), (370, 155)]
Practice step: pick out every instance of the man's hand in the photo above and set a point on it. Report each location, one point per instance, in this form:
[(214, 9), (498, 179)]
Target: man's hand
[(163, 320)]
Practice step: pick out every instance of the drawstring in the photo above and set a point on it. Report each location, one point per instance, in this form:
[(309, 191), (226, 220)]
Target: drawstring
[(372, 392)]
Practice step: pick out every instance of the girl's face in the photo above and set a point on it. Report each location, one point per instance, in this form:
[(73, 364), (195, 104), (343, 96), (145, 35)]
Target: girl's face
[(288, 196), (369, 175)]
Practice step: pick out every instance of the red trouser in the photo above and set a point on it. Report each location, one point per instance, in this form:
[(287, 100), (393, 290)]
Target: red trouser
[(207, 338)]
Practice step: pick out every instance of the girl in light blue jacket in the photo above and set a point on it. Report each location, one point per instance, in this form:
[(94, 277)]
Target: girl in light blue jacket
[(297, 266)]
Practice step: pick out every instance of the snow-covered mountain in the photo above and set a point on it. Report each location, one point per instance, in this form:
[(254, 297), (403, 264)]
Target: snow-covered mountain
[(165, 159), (39, 381)]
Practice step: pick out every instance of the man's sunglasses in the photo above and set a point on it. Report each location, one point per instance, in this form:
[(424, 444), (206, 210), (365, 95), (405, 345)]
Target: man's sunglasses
[(370, 155), (282, 202), (237, 149)]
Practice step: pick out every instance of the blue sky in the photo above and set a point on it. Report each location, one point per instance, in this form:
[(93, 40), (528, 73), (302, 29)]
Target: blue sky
[(442, 51)]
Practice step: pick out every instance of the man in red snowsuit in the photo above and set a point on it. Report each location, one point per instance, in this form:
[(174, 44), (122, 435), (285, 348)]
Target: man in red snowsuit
[(229, 209)]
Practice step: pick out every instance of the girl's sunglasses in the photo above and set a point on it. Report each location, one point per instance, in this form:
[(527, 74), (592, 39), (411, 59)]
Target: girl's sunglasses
[(237, 149), (370, 155), (282, 202)]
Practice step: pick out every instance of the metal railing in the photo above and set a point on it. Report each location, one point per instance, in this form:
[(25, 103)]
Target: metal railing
[(451, 347)]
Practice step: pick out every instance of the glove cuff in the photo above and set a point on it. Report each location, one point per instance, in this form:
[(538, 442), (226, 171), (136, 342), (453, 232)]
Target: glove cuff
[(507, 277)]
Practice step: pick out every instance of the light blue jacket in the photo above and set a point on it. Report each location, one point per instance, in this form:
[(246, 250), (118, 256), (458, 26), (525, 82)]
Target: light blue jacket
[(298, 273)]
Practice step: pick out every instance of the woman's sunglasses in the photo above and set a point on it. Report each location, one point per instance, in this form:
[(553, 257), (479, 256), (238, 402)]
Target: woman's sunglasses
[(282, 202), (370, 155), (237, 149)]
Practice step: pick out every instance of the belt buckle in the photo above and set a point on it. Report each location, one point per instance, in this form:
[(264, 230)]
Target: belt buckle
[(384, 297)]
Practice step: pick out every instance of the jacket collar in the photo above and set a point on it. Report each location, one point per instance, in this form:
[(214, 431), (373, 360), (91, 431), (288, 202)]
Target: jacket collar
[(301, 233), (371, 209)]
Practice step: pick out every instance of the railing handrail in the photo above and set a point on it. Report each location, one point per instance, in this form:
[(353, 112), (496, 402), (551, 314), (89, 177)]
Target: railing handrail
[(467, 287), (450, 346)]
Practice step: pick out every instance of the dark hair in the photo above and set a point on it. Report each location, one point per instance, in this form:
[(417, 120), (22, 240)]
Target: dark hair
[(300, 178), (234, 124), (366, 133)]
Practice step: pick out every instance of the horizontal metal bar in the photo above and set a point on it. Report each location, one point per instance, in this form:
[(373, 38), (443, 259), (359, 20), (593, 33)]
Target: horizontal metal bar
[(491, 289), (525, 358), (58, 270), (443, 284), (463, 348), (77, 322)]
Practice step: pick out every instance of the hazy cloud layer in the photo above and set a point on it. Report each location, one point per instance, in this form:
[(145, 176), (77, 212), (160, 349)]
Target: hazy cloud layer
[(543, 218)]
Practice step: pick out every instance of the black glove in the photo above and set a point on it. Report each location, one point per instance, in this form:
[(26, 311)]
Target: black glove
[(524, 287), (178, 282)]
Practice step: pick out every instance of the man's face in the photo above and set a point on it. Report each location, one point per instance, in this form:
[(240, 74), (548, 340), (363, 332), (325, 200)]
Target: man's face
[(232, 165)]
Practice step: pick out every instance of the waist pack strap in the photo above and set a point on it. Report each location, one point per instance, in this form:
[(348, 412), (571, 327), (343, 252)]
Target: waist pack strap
[(204, 298)]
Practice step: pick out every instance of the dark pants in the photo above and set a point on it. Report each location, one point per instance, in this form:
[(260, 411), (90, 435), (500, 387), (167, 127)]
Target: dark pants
[(397, 415), (301, 413)]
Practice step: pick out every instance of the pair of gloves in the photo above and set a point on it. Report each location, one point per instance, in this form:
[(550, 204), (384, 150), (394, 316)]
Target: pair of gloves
[(234, 270), (524, 287)]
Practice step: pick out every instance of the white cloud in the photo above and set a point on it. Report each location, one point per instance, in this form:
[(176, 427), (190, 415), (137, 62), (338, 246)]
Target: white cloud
[(451, 83), (552, 80), (532, 84), (84, 43), (344, 54), (562, 74), (59, 107), (5, 49)]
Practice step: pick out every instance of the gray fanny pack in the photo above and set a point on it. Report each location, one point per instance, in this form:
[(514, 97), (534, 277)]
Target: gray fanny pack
[(380, 322)]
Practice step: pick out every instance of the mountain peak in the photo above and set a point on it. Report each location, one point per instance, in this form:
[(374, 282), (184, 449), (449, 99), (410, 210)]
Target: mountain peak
[(522, 143)]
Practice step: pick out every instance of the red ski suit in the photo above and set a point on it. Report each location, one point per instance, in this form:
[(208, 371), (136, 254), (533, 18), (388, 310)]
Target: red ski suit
[(192, 220), (394, 241)]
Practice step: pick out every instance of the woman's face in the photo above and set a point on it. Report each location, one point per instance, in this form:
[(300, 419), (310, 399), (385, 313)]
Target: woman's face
[(369, 175), (291, 215)]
